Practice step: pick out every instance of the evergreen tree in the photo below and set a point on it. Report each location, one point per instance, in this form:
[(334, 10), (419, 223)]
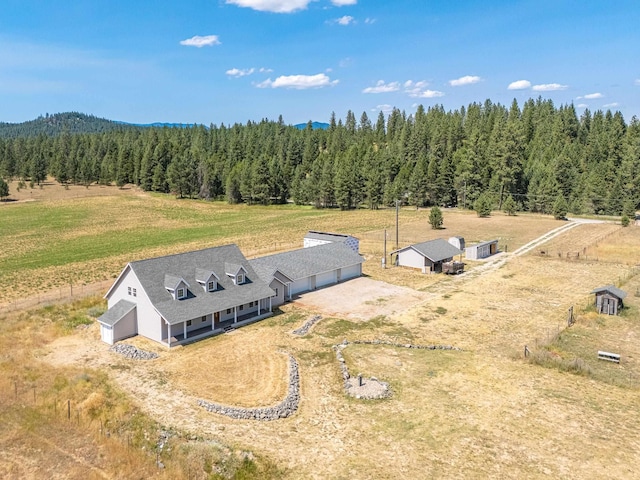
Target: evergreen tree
[(509, 206), (560, 208), (435, 218), (4, 189), (483, 205)]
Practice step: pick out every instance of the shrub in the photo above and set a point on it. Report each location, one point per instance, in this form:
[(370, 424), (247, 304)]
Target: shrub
[(435, 218)]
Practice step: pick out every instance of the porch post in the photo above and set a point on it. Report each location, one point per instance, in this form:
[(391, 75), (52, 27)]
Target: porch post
[(184, 325), (213, 321), (235, 314), (168, 333), (270, 304), (259, 302)]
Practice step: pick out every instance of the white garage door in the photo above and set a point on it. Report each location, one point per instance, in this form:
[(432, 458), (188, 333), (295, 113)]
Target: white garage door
[(106, 333), (351, 272), (300, 286), (324, 279)]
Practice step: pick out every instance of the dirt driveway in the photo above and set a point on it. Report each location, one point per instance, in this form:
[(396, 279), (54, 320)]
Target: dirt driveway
[(362, 298)]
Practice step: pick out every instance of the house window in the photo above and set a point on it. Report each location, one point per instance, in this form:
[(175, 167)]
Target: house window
[(188, 323), (129, 290), (240, 279), (276, 291), (241, 307), (228, 311), (211, 286), (203, 319), (135, 293), (250, 304), (180, 292)]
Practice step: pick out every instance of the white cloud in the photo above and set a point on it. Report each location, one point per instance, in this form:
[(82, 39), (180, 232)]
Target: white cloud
[(342, 3), (384, 108), (265, 70), (419, 90), (582, 105), (382, 87), (345, 62), (236, 72), (609, 105), (637, 81), (466, 80), (346, 20), (299, 82), (519, 85), (590, 96), (198, 41), (276, 6), (370, 21), (548, 87)]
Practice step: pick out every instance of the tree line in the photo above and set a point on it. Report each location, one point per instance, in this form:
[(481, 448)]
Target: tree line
[(531, 158)]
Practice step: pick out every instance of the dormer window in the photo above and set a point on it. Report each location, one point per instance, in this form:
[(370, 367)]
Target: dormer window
[(211, 286), (239, 279), (180, 293)]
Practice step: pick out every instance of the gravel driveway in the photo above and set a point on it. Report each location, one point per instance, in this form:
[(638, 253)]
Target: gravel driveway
[(362, 298)]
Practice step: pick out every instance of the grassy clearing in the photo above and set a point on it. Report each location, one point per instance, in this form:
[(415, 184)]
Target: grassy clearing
[(102, 434)]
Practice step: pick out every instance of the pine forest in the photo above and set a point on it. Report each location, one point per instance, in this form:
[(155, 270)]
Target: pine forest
[(527, 158)]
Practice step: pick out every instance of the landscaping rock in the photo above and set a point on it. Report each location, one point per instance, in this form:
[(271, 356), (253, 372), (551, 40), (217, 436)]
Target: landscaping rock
[(132, 352), (304, 329)]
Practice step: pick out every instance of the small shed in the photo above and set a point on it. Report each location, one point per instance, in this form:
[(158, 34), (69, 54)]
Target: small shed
[(609, 299), (482, 250), (427, 256), (457, 242), (315, 238)]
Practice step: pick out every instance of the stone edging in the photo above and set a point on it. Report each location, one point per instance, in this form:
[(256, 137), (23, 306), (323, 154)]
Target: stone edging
[(373, 388), (284, 409), (132, 352), (306, 326)]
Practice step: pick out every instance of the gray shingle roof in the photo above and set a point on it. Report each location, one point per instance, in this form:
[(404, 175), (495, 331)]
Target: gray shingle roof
[(304, 262), (435, 250), (151, 274), (115, 313), (612, 290)]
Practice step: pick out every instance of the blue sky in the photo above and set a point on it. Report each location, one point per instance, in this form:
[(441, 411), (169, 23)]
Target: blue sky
[(227, 61)]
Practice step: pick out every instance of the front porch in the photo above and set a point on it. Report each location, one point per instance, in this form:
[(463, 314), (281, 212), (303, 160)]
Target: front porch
[(204, 332), (214, 324)]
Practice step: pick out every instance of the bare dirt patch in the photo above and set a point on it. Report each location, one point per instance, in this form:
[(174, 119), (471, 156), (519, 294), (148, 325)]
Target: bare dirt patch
[(361, 298)]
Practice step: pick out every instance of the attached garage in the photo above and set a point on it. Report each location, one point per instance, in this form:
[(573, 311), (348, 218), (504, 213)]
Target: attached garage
[(347, 273), (313, 267), (119, 322), (327, 278)]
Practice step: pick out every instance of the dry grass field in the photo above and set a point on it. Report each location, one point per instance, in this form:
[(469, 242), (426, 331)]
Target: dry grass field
[(482, 412)]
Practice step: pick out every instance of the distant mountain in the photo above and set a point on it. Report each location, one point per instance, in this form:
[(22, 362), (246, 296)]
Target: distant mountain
[(52, 125), (314, 125)]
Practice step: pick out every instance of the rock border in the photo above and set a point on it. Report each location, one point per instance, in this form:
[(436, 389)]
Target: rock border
[(284, 409), (306, 326), (134, 353), (372, 388)]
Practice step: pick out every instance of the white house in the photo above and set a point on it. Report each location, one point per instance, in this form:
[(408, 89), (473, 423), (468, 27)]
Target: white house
[(179, 298)]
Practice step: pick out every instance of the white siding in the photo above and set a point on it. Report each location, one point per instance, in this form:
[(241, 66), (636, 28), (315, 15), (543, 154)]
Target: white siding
[(106, 334), (410, 258), (324, 279), (125, 327), (300, 286), (351, 272), (149, 322)]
